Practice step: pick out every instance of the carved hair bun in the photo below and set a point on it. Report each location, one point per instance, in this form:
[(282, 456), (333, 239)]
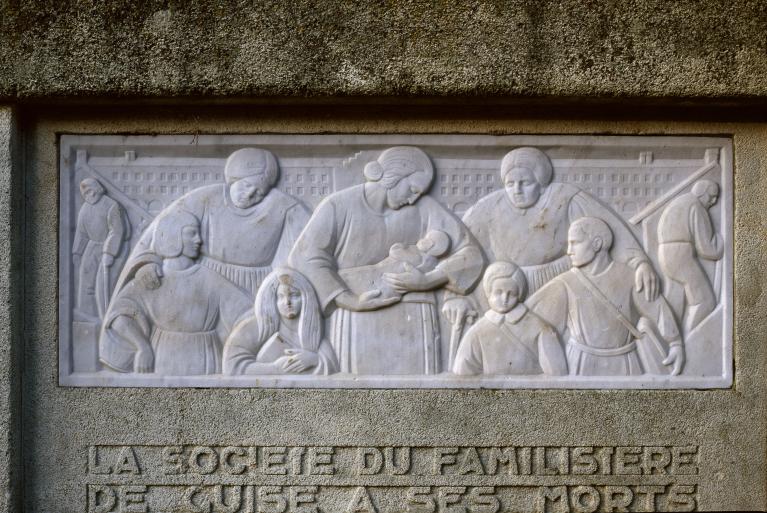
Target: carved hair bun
[(374, 171)]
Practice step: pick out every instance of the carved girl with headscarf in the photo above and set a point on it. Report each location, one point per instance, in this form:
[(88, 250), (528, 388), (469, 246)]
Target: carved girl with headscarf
[(370, 333), (286, 334), (178, 327)]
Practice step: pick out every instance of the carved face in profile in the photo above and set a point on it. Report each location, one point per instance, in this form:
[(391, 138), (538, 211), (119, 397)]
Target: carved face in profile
[(92, 194), (504, 295), (250, 190), (407, 191), (581, 248), (522, 187), (288, 301), (709, 197), (190, 241)]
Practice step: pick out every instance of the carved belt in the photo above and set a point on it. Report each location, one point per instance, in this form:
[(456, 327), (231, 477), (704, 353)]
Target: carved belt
[(596, 351)]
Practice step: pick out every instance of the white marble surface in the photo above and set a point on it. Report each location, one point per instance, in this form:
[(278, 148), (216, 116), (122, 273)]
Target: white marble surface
[(364, 261)]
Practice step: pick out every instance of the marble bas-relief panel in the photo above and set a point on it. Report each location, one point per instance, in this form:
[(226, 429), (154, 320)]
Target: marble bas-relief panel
[(396, 261)]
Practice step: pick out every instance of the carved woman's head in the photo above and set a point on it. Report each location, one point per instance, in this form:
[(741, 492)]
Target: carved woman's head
[(404, 171), (525, 173), (287, 294), (176, 232), (250, 174)]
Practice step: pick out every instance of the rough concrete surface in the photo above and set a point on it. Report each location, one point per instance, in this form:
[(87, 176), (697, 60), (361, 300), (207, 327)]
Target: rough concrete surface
[(10, 278), (524, 48), (60, 423)]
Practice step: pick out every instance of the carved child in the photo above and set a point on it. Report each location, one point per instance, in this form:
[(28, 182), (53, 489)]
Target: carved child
[(177, 328), (285, 335), (509, 339), (424, 255)]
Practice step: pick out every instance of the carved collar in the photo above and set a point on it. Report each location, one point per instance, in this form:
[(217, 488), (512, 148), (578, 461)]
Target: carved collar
[(513, 316)]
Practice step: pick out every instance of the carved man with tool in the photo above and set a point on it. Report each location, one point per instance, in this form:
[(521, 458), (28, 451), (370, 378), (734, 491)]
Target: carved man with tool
[(610, 329)]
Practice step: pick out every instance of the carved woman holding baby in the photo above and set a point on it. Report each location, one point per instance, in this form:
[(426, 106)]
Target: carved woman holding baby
[(382, 307)]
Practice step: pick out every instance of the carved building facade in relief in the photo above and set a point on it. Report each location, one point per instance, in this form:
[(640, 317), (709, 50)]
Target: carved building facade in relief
[(397, 261)]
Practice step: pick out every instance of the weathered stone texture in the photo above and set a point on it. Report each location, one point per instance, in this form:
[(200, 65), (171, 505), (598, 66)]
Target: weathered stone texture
[(9, 308), (523, 48)]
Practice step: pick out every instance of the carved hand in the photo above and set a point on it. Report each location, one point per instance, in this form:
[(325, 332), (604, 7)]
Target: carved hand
[(458, 309), (299, 360), (676, 357), (365, 302), (107, 260), (144, 360), (646, 279), (148, 276), (413, 280)]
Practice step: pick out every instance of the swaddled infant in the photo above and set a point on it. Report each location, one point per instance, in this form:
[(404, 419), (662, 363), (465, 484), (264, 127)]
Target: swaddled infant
[(424, 255)]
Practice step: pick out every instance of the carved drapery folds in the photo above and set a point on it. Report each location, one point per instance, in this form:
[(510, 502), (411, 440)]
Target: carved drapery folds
[(396, 261)]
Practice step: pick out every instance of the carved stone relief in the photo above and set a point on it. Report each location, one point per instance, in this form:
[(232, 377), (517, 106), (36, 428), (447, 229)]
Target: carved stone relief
[(396, 261)]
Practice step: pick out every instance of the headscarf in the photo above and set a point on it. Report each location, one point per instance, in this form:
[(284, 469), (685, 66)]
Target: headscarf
[(310, 320), (529, 158)]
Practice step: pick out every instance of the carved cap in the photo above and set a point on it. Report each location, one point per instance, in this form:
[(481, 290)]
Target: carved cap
[(251, 162)]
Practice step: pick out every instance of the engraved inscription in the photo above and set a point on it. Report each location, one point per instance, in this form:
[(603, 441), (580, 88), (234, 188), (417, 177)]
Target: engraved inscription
[(391, 479), (396, 261)]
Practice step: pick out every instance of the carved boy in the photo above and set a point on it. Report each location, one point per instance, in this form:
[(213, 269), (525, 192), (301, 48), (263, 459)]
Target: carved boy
[(596, 308), (526, 222), (98, 240), (177, 328), (247, 225), (509, 339), (685, 235)]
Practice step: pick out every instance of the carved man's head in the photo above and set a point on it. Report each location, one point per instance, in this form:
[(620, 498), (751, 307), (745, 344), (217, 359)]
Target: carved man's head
[(707, 192), (525, 172), (505, 285), (250, 174), (587, 238), (404, 171), (176, 233), (91, 190)]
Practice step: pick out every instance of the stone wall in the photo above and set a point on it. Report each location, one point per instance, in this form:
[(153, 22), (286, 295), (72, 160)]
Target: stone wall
[(520, 48)]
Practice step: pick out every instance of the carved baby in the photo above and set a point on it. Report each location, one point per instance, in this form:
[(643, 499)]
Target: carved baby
[(285, 335), (424, 255), (509, 339)]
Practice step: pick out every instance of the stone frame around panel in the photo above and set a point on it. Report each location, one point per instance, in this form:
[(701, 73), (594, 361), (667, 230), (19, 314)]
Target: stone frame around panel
[(81, 154)]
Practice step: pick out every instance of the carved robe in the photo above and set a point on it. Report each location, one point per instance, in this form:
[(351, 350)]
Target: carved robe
[(517, 342), (243, 245), (100, 231), (535, 238), (186, 320), (345, 233), (598, 343), (243, 352)]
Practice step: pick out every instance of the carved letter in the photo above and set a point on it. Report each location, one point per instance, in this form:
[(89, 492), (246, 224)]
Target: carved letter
[(584, 499), (127, 462), (370, 460), (361, 502), (556, 497), (419, 500), (101, 499)]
